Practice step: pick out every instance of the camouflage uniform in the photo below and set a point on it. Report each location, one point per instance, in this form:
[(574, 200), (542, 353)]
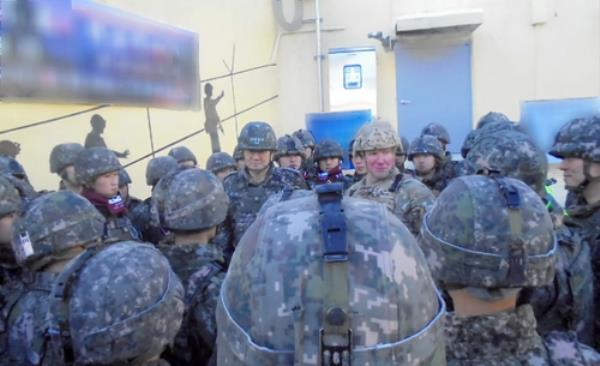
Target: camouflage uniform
[(405, 197), (220, 161), (285, 304), (492, 237), (328, 149), (194, 200), (10, 203), (429, 145), (62, 156), (562, 305), (580, 138), (246, 198), (90, 164), (125, 180), (308, 141)]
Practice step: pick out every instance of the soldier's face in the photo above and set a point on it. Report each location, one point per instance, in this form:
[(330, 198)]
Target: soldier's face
[(308, 152), (573, 173), (257, 160), (424, 164), (6, 228), (107, 184), (328, 164), (380, 162), (290, 161), (359, 164), (400, 160)]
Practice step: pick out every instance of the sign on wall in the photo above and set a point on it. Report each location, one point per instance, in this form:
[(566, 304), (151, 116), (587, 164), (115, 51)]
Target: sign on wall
[(82, 52)]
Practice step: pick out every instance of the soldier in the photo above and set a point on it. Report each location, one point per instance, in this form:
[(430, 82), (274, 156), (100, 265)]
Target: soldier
[(308, 140), (62, 159), (124, 181), (357, 291), (9, 149), (10, 207), (360, 169), (238, 156), (488, 240), (94, 138), (328, 157), (184, 156), (489, 124), (427, 155), (221, 164), (564, 304), (405, 196), (212, 122), (141, 216), (578, 144), (15, 173), (82, 294), (97, 169), (290, 153), (191, 204), (249, 188)]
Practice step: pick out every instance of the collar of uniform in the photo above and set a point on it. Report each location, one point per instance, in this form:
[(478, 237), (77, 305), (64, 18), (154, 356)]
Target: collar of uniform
[(509, 332), (246, 175), (371, 180)]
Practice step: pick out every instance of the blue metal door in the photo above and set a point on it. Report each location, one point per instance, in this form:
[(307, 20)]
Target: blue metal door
[(434, 85)]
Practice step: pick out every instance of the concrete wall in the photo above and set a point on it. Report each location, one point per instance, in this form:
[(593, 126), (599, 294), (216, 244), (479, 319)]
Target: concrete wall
[(513, 60)]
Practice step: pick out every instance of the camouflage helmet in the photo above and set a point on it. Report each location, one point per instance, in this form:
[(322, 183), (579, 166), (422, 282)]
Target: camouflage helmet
[(159, 167), (9, 148), (489, 233), (289, 145), (426, 145), (492, 117), (219, 161), (438, 131), (403, 148), (307, 138), (490, 128), (257, 136), (293, 293), (124, 178), (580, 138), (63, 155), (12, 167), (141, 305), (328, 149), (52, 224), (182, 153), (10, 200), (238, 154), (376, 135), (194, 199), (510, 154), (90, 163)]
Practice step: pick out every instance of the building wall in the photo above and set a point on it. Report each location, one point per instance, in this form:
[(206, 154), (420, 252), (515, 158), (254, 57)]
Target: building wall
[(513, 60)]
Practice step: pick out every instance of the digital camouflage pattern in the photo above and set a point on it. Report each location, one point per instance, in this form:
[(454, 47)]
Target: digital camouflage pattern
[(426, 145), (124, 178), (141, 310), (272, 301), (289, 145), (200, 268), (238, 154), (257, 136), (579, 138), (246, 199), (509, 338), (63, 155), (182, 153), (408, 201), (10, 201), (443, 169), (488, 128), (376, 135), (472, 239), (220, 161), (159, 167), (10, 166), (194, 200), (328, 149), (438, 131), (53, 224), (95, 161), (492, 117), (307, 138)]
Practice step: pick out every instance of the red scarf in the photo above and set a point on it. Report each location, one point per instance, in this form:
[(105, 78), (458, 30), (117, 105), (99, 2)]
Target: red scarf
[(334, 175), (115, 205)]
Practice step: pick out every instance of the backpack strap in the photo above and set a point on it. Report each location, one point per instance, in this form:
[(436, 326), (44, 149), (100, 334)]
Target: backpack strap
[(396, 183)]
